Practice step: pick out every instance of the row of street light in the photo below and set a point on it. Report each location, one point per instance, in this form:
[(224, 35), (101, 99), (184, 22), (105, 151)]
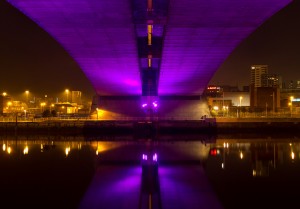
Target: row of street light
[(27, 95)]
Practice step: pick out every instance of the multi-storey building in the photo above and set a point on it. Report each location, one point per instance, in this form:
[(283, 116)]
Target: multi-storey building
[(265, 87), (258, 73)]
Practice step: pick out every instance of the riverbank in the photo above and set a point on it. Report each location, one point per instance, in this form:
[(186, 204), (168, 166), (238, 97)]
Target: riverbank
[(258, 125), (151, 129)]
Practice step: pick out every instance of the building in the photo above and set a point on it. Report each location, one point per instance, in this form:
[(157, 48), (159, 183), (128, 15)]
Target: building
[(265, 98), (213, 91), (264, 89), (298, 84), (258, 75), (291, 85), (271, 80)]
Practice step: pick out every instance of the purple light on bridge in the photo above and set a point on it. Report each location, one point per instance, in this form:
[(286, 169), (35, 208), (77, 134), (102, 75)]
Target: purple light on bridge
[(200, 35), (101, 37), (155, 105)]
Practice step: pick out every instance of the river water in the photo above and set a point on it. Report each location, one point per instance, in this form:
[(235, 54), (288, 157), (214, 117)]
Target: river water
[(197, 172)]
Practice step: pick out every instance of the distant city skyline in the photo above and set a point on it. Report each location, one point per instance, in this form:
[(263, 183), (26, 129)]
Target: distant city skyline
[(31, 60)]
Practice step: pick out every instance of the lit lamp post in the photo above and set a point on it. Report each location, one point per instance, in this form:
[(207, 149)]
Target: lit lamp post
[(51, 106), (291, 98), (42, 105), (67, 92), (239, 112), (27, 94)]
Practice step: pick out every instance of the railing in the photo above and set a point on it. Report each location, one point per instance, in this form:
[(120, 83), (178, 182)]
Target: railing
[(179, 118)]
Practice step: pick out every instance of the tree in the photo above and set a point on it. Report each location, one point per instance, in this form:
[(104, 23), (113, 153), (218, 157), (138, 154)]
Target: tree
[(46, 113), (54, 113)]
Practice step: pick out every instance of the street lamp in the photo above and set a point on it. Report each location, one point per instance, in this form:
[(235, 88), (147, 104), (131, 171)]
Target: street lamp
[(291, 98), (238, 110), (67, 92), (27, 93), (51, 106), (42, 105)]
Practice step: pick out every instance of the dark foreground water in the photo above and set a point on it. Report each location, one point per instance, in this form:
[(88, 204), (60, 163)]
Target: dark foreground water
[(73, 172)]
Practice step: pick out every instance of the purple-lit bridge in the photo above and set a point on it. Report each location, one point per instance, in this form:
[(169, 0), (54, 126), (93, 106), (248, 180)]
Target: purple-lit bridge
[(149, 56)]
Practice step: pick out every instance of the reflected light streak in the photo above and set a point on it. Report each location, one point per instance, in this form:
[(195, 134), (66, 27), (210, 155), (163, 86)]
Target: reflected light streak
[(101, 148), (293, 155), (4, 147), (226, 145), (104, 146), (25, 151), (67, 151), (9, 150)]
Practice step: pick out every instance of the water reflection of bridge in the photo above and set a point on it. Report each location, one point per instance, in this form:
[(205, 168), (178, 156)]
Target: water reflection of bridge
[(183, 166), (118, 181)]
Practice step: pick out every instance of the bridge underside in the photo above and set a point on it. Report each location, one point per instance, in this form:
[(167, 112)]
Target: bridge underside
[(149, 50)]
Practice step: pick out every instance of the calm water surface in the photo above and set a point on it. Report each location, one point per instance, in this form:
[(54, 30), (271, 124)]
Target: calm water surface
[(62, 172)]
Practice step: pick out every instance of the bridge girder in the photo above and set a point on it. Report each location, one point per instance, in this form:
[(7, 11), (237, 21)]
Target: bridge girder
[(191, 39)]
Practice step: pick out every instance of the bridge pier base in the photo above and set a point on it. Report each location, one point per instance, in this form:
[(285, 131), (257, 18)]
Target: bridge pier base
[(130, 107)]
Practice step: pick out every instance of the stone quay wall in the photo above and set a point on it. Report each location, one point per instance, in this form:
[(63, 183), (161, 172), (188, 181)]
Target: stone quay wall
[(152, 128)]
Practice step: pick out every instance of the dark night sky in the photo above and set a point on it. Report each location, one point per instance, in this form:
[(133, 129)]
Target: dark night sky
[(31, 60)]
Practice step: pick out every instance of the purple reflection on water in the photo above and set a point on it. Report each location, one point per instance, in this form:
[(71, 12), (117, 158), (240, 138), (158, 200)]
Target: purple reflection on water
[(186, 187), (145, 157), (154, 158), (155, 104), (114, 187)]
